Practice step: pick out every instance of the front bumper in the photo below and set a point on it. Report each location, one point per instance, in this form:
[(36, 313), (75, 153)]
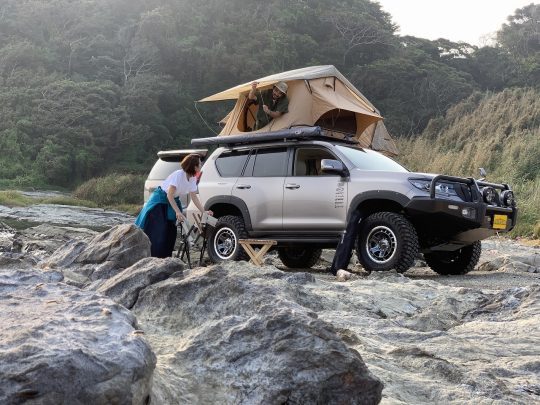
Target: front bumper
[(438, 210), (455, 220)]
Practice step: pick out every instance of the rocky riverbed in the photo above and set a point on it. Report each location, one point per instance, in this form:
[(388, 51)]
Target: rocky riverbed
[(90, 318)]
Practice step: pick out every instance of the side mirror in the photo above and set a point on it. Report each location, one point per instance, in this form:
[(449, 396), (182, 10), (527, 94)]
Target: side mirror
[(333, 166)]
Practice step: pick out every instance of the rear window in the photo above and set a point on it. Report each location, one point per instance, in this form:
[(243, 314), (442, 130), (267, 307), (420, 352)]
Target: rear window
[(162, 169), (231, 163)]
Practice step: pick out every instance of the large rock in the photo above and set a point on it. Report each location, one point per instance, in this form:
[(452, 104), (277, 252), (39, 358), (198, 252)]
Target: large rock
[(513, 263), (61, 345), (124, 288), (233, 333), (102, 257)]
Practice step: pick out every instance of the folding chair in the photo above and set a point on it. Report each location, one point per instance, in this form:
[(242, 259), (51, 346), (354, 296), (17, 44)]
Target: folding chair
[(185, 233), (202, 228)]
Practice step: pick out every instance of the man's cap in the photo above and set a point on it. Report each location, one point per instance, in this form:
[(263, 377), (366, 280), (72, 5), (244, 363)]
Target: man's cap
[(282, 86)]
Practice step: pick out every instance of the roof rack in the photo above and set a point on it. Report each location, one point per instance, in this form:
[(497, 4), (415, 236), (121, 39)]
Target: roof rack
[(294, 133)]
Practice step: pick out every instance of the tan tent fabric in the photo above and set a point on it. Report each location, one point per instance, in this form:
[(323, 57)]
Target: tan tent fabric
[(318, 95), (378, 138)]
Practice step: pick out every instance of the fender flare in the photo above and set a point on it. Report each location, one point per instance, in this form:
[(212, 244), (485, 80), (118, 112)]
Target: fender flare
[(235, 202), (393, 196)]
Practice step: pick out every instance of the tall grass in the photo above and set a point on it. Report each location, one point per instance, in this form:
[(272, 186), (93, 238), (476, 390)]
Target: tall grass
[(114, 189), (12, 198), (500, 132)]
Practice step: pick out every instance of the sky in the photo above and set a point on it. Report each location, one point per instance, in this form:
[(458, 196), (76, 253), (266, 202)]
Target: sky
[(472, 21)]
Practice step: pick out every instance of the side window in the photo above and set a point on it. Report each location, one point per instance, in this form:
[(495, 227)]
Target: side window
[(271, 162), (307, 161), (231, 163), (248, 172)]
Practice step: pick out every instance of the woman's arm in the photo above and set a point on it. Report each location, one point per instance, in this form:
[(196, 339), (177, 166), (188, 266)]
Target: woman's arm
[(170, 196), (195, 198)]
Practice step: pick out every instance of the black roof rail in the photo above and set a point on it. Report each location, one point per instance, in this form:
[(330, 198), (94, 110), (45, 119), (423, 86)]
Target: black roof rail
[(294, 133)]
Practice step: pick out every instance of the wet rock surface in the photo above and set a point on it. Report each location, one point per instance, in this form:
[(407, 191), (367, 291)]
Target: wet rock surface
[(65, 215), (236, 333)]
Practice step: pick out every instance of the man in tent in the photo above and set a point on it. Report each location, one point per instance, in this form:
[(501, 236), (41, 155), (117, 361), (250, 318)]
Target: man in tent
[(272, 103)]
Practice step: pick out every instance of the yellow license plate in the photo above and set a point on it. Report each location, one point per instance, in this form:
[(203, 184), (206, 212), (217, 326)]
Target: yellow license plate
[(499, 221)]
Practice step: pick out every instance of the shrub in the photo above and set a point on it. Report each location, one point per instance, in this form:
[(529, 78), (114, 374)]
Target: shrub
[(12, 198), (536, 231), (114, 189)]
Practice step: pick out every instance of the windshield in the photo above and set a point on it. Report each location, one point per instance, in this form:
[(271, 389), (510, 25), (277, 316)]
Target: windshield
[(366, 159)]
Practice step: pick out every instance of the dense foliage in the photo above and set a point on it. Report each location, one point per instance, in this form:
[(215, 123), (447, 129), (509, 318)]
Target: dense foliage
[(499, 132), (89, 87)]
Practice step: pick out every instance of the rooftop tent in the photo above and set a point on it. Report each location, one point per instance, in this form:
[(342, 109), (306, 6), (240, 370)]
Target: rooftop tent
[(318, 95)]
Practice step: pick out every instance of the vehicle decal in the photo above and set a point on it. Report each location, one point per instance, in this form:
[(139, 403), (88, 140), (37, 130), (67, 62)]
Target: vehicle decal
[(339, 198)]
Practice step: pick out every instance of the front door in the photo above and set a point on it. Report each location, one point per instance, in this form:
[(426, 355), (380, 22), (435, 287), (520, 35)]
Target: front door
[(313, 200)]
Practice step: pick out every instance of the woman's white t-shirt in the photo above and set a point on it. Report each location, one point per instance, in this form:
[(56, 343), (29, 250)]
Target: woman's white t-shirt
[(179, 179)]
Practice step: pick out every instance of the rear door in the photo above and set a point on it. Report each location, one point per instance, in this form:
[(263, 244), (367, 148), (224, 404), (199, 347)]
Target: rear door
[(313, 200), (261, 187), (229, 166)]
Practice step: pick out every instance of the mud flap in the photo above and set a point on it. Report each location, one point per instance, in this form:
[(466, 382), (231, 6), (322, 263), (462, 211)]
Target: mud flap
[(346, 244)]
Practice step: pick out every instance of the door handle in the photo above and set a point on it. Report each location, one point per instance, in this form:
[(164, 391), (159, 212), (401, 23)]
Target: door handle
[(292, 186), (243, 186)]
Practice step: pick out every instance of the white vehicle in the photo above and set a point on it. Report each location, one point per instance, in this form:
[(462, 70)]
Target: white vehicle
[(168, 161)]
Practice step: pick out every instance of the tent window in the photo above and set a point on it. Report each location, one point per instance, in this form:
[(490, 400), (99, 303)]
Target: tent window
[(338, 120)]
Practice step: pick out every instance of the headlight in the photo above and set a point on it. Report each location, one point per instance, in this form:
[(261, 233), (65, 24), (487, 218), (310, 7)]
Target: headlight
[(508, 199), (421, 184), (440, 188), (490, 195)]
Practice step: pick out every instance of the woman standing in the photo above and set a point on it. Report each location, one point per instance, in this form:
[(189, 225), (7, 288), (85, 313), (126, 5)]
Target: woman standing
[(160, 213)]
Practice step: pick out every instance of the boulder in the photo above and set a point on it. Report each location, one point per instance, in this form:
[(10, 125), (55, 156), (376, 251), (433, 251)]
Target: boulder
[(102, 257), (124, 288), (513, 263), (61, 345), (233, 333)]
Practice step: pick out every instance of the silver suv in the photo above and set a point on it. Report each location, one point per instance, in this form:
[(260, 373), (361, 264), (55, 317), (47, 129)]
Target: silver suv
[(300, 186)]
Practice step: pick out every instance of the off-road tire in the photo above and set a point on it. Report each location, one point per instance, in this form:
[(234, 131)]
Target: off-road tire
[(223, 241), (457, 262), (391, 230), (299, 257)]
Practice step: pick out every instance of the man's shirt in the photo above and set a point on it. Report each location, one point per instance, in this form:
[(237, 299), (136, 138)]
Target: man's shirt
[(265, 97)]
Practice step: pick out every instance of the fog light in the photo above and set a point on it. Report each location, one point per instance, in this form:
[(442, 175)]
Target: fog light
[(469, 213), (489, 194), (508, 198)]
